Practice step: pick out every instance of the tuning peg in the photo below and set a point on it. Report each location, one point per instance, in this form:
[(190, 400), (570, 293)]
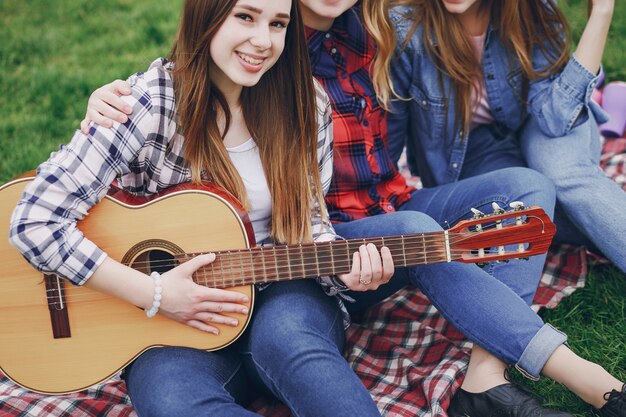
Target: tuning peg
[(517, 205), (477, 213), (496, 208)]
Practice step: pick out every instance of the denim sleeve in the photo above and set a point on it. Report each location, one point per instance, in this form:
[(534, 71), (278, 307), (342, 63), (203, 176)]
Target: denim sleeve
[(401, 74), (397, 119), (563, 101)]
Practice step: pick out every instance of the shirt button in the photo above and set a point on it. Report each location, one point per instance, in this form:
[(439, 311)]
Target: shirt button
[(333, 51), (461, 133), (366, 123), (455, 165), (424, 103), (390, 207), (327, 36)]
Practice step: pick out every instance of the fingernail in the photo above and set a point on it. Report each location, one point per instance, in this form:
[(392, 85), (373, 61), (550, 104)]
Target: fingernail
[(233, 323), (244, 299), (244, 311), (215, 331)]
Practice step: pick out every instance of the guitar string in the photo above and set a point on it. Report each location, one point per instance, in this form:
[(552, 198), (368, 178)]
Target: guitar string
[(279, 251), (325, 262), (211, 277), (76, 293), (429, 237), (294, 252)]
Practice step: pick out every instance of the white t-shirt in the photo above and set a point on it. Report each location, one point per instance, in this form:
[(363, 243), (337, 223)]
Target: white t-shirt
[(247, 160)]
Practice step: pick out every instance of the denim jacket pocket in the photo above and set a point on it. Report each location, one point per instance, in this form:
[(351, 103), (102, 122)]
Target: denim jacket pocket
[(515, 78), (428, 115)]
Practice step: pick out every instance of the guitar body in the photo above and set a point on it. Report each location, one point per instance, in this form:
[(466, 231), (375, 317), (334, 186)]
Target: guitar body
[(107, 333)]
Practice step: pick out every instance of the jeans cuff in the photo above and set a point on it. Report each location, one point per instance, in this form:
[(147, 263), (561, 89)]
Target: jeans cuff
[(541, 347)]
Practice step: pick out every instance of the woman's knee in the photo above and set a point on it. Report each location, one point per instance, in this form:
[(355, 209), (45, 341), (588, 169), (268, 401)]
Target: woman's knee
[(409, 222), (560, 158), (528, 186), (405, 221)]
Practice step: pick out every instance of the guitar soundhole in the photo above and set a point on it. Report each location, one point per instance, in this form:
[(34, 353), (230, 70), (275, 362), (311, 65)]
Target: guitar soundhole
[(160, 261), (148, 257)]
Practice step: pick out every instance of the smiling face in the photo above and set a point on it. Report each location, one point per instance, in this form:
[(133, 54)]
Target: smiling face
[(320, 14), (248, 43)]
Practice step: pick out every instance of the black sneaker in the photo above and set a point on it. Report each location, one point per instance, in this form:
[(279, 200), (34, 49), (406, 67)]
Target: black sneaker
[(501, 401), (615, 404)]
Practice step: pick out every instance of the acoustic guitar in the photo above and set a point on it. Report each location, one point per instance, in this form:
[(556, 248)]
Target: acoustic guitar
[(59, 338)]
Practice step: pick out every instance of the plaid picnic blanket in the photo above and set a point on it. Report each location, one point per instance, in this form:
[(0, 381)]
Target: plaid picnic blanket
[(407, 355)]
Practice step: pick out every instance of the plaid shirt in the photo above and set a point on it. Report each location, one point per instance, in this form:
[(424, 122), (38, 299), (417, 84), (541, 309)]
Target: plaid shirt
[(145, 155), (365, 181)]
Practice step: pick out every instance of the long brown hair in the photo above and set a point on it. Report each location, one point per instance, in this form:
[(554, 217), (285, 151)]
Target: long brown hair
[(523, 26), (377, 23), (279, 111)]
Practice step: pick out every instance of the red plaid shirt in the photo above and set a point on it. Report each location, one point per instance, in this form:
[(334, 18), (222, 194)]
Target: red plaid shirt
[(365, 180)]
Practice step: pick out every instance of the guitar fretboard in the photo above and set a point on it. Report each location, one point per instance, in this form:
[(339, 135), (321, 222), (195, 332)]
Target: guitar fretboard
[(287, 262)]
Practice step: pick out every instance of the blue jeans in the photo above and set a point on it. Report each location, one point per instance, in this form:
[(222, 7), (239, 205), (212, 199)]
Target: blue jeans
[(593, 202), (490, 306), (591, 207), (291, 349)]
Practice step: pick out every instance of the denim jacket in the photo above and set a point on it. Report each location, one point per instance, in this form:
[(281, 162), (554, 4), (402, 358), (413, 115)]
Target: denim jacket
[(424, 121)]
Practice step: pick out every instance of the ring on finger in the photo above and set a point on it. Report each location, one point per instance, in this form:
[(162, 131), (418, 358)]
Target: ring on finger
[(365, 282)]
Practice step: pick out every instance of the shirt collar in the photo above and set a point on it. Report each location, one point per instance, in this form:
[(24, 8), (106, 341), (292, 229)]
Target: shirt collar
[(351, 40)]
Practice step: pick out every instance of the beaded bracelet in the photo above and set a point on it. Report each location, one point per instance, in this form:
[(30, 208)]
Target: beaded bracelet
[(156, 303)]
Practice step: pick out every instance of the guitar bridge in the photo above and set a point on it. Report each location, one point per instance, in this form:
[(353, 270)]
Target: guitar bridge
[(55, 296)]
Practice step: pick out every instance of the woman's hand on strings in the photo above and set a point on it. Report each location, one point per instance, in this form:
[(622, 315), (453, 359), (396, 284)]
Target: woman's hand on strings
[(196, 305), (370, 268)]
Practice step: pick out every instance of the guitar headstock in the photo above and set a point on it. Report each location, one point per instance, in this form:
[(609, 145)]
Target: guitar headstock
[(517, 233)]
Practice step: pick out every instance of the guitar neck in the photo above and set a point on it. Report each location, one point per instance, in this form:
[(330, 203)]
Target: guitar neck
[(503, 235), (287, 262)]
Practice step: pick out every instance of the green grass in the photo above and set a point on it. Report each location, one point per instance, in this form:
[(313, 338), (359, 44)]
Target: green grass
[(594, 318), (53, 54)]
